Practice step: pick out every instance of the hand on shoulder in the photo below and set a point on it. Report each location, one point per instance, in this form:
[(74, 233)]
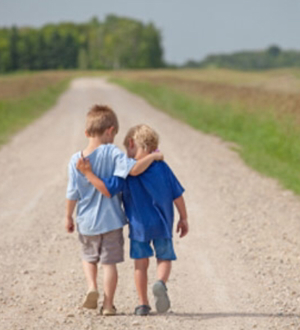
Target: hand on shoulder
[(158, 155), (83, 165)]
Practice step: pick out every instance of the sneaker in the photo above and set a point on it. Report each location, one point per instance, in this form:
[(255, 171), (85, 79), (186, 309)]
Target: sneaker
[(91, 299), (162, 301), (142, 310)]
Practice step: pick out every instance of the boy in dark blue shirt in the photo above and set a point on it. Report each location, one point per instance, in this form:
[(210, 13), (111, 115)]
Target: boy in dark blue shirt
[(148, 201)]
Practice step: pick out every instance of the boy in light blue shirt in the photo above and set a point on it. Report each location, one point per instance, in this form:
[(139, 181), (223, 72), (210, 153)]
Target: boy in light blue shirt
[(99, 219), (148, 200)]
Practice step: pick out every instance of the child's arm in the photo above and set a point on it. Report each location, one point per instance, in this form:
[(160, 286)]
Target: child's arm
[(97, 183), (72, 196), (182, 226), (84, 166), (142, 164), (108, 187), (69, 222)]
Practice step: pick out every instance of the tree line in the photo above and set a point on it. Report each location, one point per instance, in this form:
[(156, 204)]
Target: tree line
[(115, 43), (272, 57)]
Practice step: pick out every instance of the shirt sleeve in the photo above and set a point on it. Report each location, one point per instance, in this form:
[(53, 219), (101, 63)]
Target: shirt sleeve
[(123, 164), (72, 190), (177, 189), (114, 185)]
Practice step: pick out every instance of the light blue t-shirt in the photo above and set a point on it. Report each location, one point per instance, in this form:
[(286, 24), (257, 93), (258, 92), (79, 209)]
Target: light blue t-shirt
[(97, 214)]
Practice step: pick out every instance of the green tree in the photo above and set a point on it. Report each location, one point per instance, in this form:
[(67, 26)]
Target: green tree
[(273, 51), (13, 48), (118, 42), (83, 60)]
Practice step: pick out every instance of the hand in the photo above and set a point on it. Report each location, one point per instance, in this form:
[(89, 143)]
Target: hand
[(158, 155), (84, 166), (69, 224), (182, 227)]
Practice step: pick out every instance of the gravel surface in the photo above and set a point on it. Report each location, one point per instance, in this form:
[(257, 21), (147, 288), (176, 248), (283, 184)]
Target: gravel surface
[(239, 267)]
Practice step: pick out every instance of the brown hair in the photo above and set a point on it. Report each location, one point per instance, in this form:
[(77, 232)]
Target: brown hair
[(144, 136), (100, 118)]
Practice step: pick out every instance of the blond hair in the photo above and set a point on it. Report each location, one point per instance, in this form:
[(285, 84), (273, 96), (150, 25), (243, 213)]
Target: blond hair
[(144, 136), (100, 118)]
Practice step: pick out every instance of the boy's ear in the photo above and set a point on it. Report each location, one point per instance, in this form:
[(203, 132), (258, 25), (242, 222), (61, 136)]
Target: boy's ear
[(131, 143), (86, 134), (111, 130)]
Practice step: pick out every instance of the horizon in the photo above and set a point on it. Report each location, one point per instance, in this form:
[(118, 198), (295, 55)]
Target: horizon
[(122, 16), (190, 31)]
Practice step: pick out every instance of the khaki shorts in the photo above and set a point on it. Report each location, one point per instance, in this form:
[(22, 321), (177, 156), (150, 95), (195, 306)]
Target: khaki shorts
[(107, 248)]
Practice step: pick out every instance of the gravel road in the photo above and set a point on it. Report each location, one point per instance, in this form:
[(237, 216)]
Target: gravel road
[(239, 267)]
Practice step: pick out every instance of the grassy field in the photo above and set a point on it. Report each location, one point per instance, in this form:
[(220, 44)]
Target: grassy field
[(260, 112), (24, 97), (279, 79)]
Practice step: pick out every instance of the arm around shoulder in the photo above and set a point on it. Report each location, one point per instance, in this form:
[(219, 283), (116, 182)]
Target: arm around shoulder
[(98, 184), (84, 166), (142, 164)]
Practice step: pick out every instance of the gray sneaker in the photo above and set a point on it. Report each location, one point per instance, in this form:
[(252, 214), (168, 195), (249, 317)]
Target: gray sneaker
[(162, 301)]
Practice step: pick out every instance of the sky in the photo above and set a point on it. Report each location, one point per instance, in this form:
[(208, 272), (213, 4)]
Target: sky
[(191, 29)]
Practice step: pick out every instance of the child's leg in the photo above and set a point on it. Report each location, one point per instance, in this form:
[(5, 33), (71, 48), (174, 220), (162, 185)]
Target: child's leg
[(112, 252), (90, 257), (89, 262), (110, 280), (141, 279), (141, 252), (163, 270), (90, 271), (164, 254), (159, 289)]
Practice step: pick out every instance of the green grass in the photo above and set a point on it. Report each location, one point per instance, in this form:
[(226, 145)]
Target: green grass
[(16, 113), (24, 96), (268, 144)]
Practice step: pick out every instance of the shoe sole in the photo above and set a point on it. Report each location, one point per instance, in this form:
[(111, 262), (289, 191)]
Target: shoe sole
[(108, 312), (162, 301), (142, 311), (91, 300)]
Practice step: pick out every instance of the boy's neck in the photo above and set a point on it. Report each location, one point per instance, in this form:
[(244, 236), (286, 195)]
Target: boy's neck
[(141, 153), (94, 143)]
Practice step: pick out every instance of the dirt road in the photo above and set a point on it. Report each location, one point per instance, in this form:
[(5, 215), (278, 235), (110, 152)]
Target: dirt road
[(239, 267)]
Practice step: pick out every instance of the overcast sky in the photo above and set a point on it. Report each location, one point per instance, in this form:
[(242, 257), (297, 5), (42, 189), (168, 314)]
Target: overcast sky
[(191, 29)]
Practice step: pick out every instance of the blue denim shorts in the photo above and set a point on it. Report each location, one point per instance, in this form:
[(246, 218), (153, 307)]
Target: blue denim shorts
[(163, 247)]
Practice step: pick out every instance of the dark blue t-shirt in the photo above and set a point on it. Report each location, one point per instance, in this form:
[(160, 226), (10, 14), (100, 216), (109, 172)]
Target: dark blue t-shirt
[(148, 201)]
